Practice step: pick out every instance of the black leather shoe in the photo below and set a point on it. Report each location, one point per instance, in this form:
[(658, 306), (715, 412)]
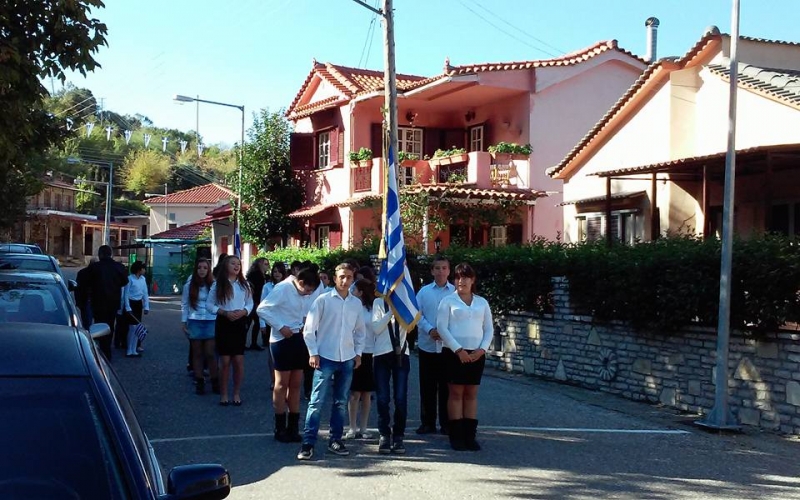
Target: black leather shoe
[(426, 429)]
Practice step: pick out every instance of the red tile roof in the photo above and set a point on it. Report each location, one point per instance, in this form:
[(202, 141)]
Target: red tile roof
[(191, 231), (308, 211), (565, 60), (208, 194)]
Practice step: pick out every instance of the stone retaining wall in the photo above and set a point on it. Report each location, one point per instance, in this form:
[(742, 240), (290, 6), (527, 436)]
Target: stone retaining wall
[(675, 369)]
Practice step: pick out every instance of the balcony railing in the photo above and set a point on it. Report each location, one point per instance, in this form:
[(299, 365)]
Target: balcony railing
[(362, 178)]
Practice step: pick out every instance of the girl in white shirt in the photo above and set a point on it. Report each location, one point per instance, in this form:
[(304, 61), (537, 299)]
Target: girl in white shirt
[(198, 324), (135, 301), (363, 383), (464, 322), (231, 300)]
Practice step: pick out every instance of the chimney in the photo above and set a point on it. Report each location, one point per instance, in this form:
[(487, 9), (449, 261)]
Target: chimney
[(652, 38)]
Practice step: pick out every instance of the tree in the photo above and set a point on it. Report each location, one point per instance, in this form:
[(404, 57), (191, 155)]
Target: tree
[(145, 170), (38, 40), (270, 190)]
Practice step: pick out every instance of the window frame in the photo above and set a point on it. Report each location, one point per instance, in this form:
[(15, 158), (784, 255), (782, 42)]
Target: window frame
[(402, 143), (501, 240), (618, 217), (326, 241), (323, 148), (479, 141)]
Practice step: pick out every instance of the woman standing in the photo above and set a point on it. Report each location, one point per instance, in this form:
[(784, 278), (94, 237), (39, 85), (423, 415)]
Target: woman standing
[(278, 274), (198, 324), (464, 322), (257, 277), (136, 301), (231, 300), (363, 383)]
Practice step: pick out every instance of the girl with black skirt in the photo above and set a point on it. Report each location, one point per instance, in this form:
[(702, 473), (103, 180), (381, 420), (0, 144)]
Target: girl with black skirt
[(363, 384), (231, 300), (464, 322)]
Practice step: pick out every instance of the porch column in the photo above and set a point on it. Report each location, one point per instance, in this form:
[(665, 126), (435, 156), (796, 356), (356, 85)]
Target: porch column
[(609, 237), (69, 253), (706, 202), (83, 242), (47, 236), (655, 217), (768, 195), (425, 223)]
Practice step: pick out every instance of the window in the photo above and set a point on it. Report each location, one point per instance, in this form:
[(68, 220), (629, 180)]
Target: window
[(784, 218), (173, 225), (323, 236), (172, 216), (476, 138), (406, 176), (323, 149), (144, 231), (57, 205), (410, 140), (69, 206), (498, 236), (626, 226)]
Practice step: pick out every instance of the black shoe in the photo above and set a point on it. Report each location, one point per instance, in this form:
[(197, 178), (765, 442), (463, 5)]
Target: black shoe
[(306, 452), (444, 430), (199, 386), (398, 447), (426, 429), (384, 445), (338, 448)]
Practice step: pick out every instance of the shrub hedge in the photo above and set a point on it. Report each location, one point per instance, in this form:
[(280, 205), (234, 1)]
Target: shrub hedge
[(661, 285)]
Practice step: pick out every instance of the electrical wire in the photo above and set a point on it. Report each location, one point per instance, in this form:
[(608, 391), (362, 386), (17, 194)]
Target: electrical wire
[(520, 30), (368, 41)]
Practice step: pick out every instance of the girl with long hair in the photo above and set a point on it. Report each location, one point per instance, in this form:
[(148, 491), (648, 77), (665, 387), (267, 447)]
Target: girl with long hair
[(257, 277), (464, 322), (198, 324), (363, 383), (231, 300), (135, 301)]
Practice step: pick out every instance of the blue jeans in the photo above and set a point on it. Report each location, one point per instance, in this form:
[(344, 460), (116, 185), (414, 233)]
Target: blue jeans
[(385, 367), (331, 374)]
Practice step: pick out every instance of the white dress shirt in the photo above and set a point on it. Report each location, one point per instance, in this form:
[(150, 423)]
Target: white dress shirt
[(268, 286), (200, 312), (242, 299), (465, 326), (379, 326), (335, 327), (283, 306), (136, 289), (369, 338), (428, 299)]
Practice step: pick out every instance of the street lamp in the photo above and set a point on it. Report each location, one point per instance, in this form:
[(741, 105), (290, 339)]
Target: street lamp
[(184, 98)]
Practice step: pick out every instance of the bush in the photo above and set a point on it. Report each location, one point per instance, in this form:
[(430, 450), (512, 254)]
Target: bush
[(326, 259)]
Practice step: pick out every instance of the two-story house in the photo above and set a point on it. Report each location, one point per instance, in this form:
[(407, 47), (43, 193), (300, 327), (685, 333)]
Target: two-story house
[(185, 207), (548, 104)]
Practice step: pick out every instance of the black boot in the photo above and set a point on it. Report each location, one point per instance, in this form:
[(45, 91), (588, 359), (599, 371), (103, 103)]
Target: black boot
[(293, 428), (456, 428), (470, 429), (215, 385), (200, 386), (280, 428)]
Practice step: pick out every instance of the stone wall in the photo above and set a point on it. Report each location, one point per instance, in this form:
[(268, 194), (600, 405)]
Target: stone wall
[(675, 369)]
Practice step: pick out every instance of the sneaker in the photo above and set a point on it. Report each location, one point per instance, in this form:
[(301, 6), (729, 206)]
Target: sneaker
[(384, 445), (364, 435), (398, 447), (351, 434), (306, 452), (338, 448)]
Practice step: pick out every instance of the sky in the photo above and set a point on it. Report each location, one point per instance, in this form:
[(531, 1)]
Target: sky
[(257, 53)]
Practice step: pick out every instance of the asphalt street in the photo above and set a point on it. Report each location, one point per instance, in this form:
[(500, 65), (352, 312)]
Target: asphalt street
[(540, 440)]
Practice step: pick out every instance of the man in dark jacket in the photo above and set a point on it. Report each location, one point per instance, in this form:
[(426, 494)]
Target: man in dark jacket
[(104, 280)]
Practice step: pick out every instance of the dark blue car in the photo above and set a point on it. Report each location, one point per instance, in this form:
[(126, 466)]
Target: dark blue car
[(67, 428)]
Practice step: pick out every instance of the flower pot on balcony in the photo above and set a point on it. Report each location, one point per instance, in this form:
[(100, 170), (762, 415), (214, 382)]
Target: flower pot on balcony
[(365, 163), (449, 160), (507, 158)]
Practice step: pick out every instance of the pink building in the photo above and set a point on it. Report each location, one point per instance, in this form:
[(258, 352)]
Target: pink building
[(655, 162), (477, 197)]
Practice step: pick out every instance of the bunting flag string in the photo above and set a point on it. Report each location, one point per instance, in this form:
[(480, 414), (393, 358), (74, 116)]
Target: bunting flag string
[(183, 146), (128, 135), (147, 138), (69, 123), (109, 129), (200, 149), (89, 127), (164, 142)]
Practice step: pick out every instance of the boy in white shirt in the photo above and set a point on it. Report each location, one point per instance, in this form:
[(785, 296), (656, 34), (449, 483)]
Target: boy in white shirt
[(334, 333)]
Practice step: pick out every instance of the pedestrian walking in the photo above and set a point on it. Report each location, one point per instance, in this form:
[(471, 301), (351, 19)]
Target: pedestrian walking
[(363, 383), (334, 333), (285, 310), (231, 300), (135, 302), (464, 322), (257, 277), (199, 324), (105, 279), (432, 376)]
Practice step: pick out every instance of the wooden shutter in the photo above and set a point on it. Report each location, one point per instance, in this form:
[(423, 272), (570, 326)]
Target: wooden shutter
[(514, 234), (337, 148), (431, 141), (454, 137), (487, 136), (594, 228), (376, 139), (335, 236), (301, 151)]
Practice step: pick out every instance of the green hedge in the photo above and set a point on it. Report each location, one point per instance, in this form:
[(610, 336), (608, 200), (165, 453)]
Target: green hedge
[(662, 285)]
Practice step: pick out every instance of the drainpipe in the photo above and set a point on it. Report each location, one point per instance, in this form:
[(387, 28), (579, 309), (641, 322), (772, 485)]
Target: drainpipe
[(652, 39)]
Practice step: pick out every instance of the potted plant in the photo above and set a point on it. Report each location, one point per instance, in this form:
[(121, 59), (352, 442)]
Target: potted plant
[(449, 156), (504, 152), (407, 159), (361, 158)]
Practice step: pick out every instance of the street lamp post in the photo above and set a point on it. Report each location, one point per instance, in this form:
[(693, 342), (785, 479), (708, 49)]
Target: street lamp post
[(184, 98)]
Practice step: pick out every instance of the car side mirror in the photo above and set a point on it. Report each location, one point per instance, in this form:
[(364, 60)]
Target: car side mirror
[(199, 482), (72, 285), (98, 330)]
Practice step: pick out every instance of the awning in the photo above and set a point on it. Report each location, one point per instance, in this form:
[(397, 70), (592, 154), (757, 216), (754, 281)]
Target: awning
[(306, 212), (614, 196)]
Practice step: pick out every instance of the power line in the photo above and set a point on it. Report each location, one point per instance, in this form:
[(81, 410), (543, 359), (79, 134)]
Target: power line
[(496, 16), (368, 40)]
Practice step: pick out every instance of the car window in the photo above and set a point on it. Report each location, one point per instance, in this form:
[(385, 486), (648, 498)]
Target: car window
[(33, 302), (55, 442), (27, 264), (15, 249)]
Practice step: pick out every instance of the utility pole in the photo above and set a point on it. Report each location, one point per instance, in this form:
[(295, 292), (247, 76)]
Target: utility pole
[(109, 196)]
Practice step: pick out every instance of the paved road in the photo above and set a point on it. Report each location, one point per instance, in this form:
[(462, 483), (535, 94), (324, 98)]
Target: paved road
[(541, 440)]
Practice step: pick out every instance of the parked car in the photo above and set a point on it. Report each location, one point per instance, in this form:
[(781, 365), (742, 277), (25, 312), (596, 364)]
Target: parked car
[(69, 430), (34, 262), (19, 248), (37, 297)]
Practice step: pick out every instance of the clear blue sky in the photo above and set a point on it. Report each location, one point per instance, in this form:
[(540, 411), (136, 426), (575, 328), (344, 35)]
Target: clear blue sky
[(258, 52)]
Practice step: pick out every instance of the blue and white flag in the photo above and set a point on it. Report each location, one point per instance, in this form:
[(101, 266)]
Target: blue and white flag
[(140, 331), (237, 238), (394, 280)]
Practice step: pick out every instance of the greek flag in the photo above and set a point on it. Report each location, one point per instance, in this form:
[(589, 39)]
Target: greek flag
[(140, 331), (394, 280), (237, 238)]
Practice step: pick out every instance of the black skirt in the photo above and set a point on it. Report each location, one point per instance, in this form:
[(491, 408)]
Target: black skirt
[(459, 373), (363, 376), (230, 336), (289, 354)]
